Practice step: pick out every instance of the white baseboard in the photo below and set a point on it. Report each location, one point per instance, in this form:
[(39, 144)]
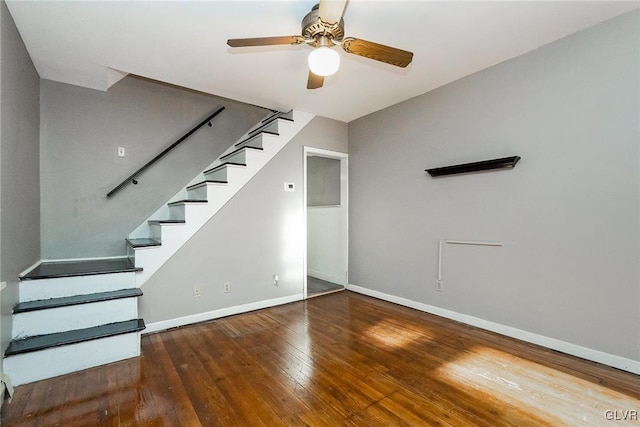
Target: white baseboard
[(612, 360), (216, 314)]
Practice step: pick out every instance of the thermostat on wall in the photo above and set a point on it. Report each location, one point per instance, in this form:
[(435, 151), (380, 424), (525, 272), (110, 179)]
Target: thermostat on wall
[(289, 186)]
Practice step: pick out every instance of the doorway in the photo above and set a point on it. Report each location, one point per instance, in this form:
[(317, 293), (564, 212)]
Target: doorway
[(326, 214)]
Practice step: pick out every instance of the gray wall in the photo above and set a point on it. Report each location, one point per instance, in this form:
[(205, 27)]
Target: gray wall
[(568, 214), (19, 165), (323, 181), (81, 130), (259, 233)]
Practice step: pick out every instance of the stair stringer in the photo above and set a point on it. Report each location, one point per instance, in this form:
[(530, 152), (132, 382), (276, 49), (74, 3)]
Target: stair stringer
[(174, 236)]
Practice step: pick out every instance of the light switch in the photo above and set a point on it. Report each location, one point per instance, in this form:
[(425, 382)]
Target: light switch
[(120, 151)]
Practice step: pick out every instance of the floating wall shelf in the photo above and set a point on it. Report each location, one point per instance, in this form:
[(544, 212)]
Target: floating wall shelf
[(503, 163)]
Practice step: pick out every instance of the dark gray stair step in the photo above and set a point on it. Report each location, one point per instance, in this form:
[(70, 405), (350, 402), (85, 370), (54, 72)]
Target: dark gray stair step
[(185, 201), (254, 136), (56, 269), (246, 140), (282, 115), (240, 149), (58, 339), (166, 221), (264, 125), (271, 116), (278, 115), (44, 304), (213, 181), (143, 243), (224, 165)]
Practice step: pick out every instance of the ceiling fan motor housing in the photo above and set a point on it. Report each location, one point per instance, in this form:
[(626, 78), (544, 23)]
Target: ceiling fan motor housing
[(313, 28)]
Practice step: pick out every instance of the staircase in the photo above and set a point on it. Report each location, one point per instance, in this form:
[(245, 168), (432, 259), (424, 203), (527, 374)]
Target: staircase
[(157, 239), (72, 316), (75, 315)]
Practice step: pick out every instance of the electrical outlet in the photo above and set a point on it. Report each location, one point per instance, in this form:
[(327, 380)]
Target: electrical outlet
[(227, 287), (275, 280), (196, 292), (439, 285)]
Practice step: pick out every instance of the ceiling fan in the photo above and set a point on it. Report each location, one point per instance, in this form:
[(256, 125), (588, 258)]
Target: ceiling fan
[(323, 29)]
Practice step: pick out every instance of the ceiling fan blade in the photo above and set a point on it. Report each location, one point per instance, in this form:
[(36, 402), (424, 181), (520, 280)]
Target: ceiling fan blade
[(331, 10), (315, 81), (379, 52), (265, 41)]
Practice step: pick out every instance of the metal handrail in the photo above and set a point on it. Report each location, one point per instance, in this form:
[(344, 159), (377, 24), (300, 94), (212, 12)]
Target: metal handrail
[(132, 178)]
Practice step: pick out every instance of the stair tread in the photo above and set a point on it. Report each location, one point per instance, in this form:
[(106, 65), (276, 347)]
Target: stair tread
[(220, 166), (167, 221), (240, 149), (55, 269), (143, 242), (43, 342), (27, 306), (212, 181), (277, 114), (263, 126), (255, 135), (184, 201)]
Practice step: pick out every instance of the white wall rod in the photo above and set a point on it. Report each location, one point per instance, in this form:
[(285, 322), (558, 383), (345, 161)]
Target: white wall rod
[(467, 242), (440, 261)]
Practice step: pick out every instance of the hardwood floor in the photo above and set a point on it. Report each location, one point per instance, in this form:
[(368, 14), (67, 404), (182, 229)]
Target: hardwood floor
[(316, 287), (338, 359)]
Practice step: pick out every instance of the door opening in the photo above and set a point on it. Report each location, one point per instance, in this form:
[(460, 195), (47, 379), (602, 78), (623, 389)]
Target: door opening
[(326, 216)]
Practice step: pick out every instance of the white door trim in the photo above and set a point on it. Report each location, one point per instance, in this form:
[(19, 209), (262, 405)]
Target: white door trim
[(344, 201)]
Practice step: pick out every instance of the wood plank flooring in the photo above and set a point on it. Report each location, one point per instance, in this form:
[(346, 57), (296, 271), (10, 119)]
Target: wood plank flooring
[(316, 287), (338, 359)]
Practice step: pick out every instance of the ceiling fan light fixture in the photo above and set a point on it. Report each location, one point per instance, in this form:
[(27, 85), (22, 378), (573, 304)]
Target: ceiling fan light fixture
[(324, 61)]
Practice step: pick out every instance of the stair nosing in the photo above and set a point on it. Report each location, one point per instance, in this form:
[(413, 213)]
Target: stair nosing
[(221, 165), (66, 337), (271, 116), (166, 221), (148, 245), (44, 276), (277, 115), (45, 304), (210, 181), (263, 126), (187, 201), (240, 149), (256, 135)]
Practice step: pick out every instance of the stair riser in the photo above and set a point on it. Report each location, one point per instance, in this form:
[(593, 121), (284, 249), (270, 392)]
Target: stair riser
[(201, 191), (165, 231), (239, 157), (271, 128), (218, 175), (31, 290), (227, 173), (190, 213), (212, 192), (256, 141), (79, 316), (177, 212), (39, 365)]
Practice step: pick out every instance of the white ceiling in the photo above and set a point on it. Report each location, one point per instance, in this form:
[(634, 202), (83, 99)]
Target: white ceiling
[(94, 43)]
